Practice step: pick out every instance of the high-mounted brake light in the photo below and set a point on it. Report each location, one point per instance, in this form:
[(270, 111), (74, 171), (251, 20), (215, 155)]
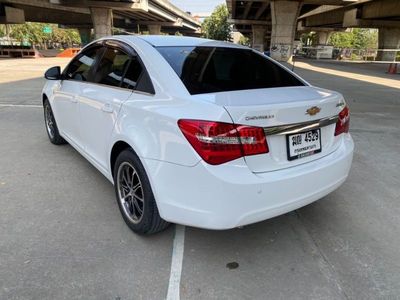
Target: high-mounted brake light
[(343, 124), (218, 142)]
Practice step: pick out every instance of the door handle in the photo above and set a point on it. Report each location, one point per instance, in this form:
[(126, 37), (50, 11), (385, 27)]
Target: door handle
[(107, 107), (74, 99)]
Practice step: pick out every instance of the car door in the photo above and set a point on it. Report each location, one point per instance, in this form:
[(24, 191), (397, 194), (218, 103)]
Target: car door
[(66, 94), (101, 99)]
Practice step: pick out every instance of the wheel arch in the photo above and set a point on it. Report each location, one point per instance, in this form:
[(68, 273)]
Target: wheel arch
[(116, 149), (44, 97)]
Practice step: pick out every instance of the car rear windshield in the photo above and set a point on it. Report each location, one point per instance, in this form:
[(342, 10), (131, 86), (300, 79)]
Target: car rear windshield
[(218, 69)]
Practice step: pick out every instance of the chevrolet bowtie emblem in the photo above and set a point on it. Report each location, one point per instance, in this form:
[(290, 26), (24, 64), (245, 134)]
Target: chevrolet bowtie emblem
[(313, 110)]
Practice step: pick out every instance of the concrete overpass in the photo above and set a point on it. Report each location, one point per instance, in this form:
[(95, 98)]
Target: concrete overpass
[(383, 14), (101, 15), (273, 24)]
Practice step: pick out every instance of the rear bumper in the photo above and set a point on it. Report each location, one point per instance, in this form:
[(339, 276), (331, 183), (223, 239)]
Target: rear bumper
[(230, 195)]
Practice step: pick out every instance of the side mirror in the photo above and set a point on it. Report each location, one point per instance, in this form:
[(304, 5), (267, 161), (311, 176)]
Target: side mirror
[(53, 73)]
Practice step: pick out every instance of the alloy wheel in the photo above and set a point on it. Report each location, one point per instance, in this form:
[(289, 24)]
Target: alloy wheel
[(130, 192), (49, 119)]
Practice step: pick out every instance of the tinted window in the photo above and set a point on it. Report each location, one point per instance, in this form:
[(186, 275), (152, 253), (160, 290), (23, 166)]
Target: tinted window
[(111, 67), (79, 68), (132, 74), (209, 69)]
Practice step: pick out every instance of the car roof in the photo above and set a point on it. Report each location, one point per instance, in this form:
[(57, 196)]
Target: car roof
[(182, 41)]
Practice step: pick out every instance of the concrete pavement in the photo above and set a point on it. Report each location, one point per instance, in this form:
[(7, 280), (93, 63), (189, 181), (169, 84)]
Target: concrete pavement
[(62, 237)]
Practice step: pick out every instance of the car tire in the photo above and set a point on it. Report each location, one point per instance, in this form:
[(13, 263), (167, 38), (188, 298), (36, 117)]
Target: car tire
[(134, 195), (51, 125)]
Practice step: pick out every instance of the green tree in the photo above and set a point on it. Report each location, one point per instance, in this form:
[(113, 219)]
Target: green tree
[(357, 38), (216, 26), (309, 39), (33, 33), (245, 41), (341, 39), (365, 38)]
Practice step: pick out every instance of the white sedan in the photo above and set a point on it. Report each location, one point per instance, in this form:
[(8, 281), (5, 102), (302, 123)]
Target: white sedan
[(198, 132)]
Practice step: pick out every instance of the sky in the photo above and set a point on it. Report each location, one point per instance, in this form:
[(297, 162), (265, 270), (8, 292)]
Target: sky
[(197, 6)]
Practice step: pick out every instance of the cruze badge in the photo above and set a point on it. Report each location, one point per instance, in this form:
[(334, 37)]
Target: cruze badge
[(260, 117), (313, 110)]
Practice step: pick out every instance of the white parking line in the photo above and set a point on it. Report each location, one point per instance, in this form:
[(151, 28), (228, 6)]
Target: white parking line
[(20, 105), (176, 263)]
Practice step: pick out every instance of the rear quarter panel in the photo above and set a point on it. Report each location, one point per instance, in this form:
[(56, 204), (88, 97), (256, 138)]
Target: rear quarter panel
[(149, 125)]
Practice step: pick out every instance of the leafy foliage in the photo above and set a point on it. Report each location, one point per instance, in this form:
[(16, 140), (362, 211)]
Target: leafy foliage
[(216, 26), (309, 39), (245, 41), (357, 38), (32, 33), (341, 40)]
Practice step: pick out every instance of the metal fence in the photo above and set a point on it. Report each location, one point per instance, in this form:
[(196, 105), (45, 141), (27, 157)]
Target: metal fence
[(348, 54)]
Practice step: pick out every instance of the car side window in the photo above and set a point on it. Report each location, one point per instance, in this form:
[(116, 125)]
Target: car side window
[(79, 68), (112, 67), (132, 74)]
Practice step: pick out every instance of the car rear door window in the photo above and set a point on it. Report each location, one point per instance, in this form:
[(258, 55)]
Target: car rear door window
[(132, 74), (220, 69), (111, 68)]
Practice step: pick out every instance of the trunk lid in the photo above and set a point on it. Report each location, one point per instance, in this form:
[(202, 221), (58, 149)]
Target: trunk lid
[(275, 108)]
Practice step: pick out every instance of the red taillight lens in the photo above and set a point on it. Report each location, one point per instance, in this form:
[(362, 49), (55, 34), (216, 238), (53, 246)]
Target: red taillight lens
[(218, 142), (343, 124)]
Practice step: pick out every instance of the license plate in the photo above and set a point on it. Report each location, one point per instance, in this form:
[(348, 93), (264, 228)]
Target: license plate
[(303, 144)]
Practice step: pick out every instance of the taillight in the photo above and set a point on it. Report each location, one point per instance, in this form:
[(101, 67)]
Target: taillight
[(343, 124), (218, 142)]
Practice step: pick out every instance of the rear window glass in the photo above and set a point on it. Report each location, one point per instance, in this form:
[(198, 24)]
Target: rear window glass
[(217, 69)]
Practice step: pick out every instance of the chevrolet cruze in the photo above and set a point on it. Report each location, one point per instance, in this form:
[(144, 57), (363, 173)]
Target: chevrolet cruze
[(198, 132)]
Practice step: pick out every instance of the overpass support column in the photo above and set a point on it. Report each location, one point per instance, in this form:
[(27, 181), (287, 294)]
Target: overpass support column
[(284, 22), (102, 19), (389, 38), (154, 29), (323, 37), (259, 37)]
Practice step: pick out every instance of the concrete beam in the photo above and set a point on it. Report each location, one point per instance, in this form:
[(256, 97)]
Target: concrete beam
[(300, 28), (156, 23), (11, 15), (152, 10), (262, 9), (351, 19), (47, 5), (46, 15), (380, 9), (328, 18), (132, 5), (247, 9), (249, 22), (168, 6)]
